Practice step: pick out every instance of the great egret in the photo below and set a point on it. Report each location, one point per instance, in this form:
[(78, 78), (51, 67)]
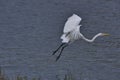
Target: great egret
[(71, 33)]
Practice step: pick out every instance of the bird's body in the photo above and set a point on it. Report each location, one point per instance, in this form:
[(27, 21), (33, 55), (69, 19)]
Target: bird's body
[(71, 30), (71, 33), (71, 36)]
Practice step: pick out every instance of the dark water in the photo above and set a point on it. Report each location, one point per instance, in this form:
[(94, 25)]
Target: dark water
[(30, 31)]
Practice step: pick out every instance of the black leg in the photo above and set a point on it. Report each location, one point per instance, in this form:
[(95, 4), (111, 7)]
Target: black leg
[(58, 48), (61, 51)]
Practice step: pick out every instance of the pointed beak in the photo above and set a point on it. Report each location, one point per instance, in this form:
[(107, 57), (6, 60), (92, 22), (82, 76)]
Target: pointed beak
[(106, 34)]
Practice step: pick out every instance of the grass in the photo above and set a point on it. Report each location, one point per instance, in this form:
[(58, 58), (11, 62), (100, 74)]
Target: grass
[(3, 77), (26, 78), (67, 76)]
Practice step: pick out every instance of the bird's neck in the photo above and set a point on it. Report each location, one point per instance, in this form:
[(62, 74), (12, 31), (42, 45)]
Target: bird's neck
[(91, 40)]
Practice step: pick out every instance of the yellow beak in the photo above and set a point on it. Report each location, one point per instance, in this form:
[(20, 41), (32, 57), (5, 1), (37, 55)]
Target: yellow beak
[(106, 34)]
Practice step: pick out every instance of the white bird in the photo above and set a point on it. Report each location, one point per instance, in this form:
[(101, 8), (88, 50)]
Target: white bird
[(71, 33)]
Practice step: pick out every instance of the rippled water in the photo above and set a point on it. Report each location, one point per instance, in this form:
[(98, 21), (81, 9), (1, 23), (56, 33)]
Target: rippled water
[(30, 31)]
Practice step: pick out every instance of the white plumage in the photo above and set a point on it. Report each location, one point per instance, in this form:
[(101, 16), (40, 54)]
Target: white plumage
[(71, 23), (71, 29), (71, 33)]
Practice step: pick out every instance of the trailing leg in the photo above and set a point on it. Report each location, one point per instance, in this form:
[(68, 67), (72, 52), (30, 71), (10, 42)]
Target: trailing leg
[(58, 48), (61, 51)]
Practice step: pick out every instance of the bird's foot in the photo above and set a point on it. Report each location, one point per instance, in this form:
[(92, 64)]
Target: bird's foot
[(57, 58)]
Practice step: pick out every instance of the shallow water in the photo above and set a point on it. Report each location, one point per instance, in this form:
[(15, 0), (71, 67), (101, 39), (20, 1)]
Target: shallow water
[(30, 31)]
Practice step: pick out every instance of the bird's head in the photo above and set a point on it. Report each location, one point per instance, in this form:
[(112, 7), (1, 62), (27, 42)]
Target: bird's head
[(103, 34)]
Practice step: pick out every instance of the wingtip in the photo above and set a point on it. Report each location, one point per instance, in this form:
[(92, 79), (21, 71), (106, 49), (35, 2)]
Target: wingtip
[(76, 15)]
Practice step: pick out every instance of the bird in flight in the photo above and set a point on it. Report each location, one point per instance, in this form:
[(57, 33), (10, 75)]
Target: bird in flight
[(72, 33)]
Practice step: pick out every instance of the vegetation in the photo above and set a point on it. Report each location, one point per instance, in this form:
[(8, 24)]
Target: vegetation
[(67, 76)]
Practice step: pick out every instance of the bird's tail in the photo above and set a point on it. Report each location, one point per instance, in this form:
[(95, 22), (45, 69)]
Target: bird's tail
[(64, 38)]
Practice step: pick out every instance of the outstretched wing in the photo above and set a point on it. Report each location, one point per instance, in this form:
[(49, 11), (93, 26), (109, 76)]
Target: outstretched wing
[(72, 23)]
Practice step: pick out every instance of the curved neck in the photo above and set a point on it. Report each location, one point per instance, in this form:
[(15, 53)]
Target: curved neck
[(91, 40)]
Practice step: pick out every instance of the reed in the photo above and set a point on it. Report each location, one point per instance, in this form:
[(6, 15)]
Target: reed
[(2, 77), (68, 76)]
